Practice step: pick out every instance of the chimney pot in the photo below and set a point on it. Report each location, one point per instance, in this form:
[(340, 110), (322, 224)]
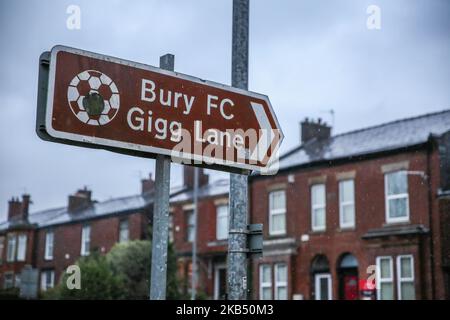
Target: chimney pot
[(80, 200), (314, 130), (147, 185)]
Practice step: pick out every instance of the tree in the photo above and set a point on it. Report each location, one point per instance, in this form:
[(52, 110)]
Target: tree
[(131, 261), (123, 273), (97, 281)]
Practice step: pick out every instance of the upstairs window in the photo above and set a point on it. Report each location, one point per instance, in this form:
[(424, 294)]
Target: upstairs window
[(397, 199), (190, 226), (11, 251), (318, 207), (222, 222), (124, 231), (277, 212), (85, 240), (49, 236), (347, 204), (22, 247)]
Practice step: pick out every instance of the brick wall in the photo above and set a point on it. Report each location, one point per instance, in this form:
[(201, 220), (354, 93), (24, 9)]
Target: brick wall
[(370, 214)]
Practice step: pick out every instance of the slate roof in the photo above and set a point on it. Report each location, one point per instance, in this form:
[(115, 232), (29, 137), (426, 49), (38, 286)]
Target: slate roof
[(215, 188), (61, 215), (385, 137), (58, 216)]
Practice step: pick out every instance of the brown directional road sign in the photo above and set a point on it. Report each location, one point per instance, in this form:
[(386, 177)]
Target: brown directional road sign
[(98, 100)]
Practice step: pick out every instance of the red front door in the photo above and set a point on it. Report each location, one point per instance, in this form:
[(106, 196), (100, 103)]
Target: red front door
[(350, 287)]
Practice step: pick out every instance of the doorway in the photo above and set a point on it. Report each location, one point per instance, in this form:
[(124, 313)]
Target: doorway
[(348, 277), (321, 278), (323, 286), (220, 281)]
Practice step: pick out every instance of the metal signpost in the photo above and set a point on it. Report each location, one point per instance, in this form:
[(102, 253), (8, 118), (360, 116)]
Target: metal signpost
[(237, 239), (97, 101), (194, 242), (160, 227)]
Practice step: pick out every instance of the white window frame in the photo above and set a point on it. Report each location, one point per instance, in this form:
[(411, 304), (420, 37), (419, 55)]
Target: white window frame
[(278, 283), (317, 278), (379, 280), (85, 238), (221, 215), (263, 285), (387, 197), (190, 226), (121, 223), (11, 254), (44, 275), (400, 278), (343, 203), (315, 207), (49, 245), (22, 240), (276, 212)]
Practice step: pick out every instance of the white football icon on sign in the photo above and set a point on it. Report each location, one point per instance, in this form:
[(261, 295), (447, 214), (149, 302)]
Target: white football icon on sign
[(93, 97)]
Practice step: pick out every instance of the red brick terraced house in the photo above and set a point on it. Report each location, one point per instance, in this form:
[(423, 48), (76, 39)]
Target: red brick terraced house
[(51, 240), (212, 233), (371, 204), (368, 202)]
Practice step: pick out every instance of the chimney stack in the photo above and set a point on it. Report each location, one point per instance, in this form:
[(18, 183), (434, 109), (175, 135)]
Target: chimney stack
[(314, 130), (148, 185), (80, 200), (188, 177), (18, 210), (25, 205)]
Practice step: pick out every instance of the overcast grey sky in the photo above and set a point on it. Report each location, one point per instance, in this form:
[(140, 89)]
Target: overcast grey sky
[(308, 56)]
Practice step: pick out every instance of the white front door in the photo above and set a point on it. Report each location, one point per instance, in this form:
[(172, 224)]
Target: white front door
[(323, 286)]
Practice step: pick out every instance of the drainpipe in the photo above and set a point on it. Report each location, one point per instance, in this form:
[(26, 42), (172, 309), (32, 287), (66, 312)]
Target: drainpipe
[(430, 215)]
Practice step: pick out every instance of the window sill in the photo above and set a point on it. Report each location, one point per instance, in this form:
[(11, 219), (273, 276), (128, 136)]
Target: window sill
[(346, 229), (394, 223), (318, 232), (218, 243), (277, 236)]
